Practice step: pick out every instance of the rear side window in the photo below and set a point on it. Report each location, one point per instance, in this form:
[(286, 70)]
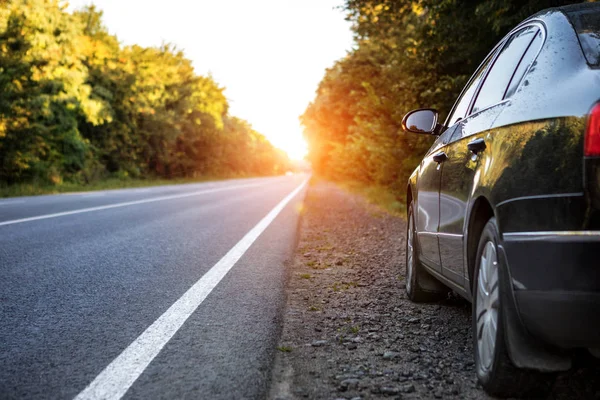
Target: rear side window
[(526, 61), (462, 105), (586, 21), (504, 67)]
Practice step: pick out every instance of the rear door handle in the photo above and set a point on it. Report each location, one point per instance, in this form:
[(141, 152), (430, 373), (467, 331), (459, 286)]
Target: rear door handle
[(440, 157), (477, 145)]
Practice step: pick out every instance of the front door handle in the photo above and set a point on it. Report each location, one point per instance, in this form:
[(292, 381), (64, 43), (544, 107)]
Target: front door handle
[(477, 145), (440, 157)]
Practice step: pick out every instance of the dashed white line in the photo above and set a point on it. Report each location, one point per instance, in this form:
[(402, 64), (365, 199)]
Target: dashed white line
[(94, 194), (9, 202), (128, 203), (114, 381)]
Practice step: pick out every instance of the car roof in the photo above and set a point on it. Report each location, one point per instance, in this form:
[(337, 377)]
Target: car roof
[(566, 10)]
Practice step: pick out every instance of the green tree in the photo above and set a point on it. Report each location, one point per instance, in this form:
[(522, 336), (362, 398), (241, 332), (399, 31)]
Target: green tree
[(43, 90)]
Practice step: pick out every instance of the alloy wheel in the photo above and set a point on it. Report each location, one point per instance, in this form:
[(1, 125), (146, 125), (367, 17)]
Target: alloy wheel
[(487, 305)]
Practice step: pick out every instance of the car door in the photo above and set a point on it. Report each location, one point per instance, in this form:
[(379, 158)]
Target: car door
[(428, 205), (429, 182), (467, 143)]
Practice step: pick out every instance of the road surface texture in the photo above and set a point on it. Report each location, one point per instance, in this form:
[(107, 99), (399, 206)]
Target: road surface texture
[(349, 330), (157, 293)]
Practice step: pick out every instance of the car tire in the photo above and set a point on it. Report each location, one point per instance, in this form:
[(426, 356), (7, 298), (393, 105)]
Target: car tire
[(495, 371), (420, 286)]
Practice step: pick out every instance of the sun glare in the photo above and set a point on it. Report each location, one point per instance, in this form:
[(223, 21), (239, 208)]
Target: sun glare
[(296, 149), (292, 143)]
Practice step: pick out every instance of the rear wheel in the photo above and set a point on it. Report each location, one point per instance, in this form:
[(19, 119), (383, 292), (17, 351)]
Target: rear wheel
[(420, 286), (495, 371)]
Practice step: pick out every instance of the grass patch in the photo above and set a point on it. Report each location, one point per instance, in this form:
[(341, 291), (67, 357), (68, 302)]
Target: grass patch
[(314, 308), (342, 287), (305, 276), (326, 247), (284, 349), (318, 266), (380, 196)]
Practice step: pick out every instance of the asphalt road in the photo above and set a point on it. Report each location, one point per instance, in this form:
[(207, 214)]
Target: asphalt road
[(129, 292)]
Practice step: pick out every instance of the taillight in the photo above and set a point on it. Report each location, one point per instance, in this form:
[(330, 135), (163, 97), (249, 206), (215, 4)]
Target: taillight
[(592, 134)]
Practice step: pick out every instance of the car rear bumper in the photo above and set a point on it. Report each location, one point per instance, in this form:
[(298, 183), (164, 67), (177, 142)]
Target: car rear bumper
[(556, 282)]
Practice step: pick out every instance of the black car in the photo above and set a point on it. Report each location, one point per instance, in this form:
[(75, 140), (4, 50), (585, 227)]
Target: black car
[(505, 207)]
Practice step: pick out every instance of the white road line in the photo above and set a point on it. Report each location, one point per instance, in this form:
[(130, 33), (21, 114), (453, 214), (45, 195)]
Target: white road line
[(114, 381), (128, 203), (8, 202), (94, 194)]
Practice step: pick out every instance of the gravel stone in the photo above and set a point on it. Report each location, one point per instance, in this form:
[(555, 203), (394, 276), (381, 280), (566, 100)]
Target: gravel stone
[(389, 355), (390, 391), (409, 388), (349, 384)]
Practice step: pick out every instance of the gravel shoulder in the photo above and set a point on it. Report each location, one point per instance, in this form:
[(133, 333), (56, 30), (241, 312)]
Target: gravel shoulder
[(350, 332)]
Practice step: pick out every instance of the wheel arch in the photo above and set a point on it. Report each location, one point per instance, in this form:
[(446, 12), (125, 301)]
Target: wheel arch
[(480, 214)]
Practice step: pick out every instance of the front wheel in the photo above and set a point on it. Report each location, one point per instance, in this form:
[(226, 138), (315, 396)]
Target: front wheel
[(495, 371)]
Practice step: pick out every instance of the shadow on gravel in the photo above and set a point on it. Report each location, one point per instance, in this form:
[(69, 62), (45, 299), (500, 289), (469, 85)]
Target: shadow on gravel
[(350, 332), (456, 301), (581, 382)]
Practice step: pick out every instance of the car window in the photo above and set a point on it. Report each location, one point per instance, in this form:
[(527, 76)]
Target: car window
[(462, 105), (447, 136), (586, 21), (457, 134), (526, 61), (495, 84)]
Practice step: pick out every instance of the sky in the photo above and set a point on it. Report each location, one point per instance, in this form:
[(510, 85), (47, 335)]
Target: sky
[(270, 55)]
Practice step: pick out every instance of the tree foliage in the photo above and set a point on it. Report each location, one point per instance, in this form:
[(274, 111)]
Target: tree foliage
[(77, 105), (408, 54)]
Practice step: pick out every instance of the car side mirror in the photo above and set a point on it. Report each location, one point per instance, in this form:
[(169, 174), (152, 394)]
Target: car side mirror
[(423, 120)]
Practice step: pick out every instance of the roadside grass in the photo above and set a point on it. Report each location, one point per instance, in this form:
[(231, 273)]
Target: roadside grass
[(284, 349), (343, 286), (318, 265), (326, 247), (380, 196), (32, 189)]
